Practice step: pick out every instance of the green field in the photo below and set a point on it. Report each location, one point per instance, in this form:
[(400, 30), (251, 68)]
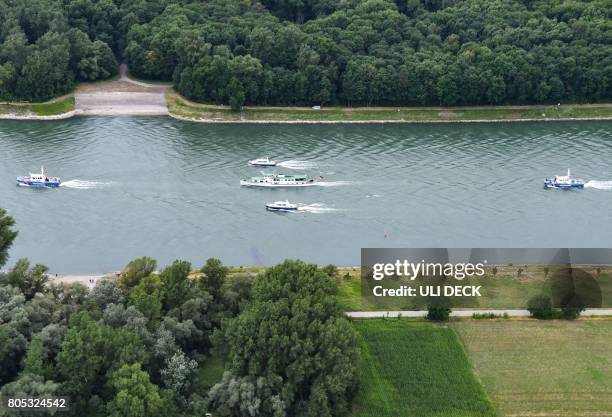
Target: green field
[(51, 108), (411, 369), (543, 368), (184, 108)]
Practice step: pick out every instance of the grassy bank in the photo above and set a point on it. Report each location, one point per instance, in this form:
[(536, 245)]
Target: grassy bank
[(416, 369), (510, 288), (181, 107), (54, 107), (547, 369)]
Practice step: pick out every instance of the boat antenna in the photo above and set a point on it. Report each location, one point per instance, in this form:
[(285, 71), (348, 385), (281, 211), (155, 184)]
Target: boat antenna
[(42, 170), (568, 172)]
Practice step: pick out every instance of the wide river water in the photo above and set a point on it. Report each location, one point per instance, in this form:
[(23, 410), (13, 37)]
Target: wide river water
[(170, 190)]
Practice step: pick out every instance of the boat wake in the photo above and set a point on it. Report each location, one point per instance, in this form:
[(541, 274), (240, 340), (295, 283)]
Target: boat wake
[(83, 184), (297, 164), (599, 185), (332, 183), (316, 208)]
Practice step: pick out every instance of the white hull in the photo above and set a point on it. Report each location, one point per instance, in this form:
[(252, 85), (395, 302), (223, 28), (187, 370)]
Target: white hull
[(276, 185), (262, 164)]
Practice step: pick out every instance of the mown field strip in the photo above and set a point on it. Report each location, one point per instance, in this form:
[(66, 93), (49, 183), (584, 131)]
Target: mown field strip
[(543, 368)]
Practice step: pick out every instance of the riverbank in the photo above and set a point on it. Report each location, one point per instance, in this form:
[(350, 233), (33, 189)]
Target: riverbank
[(125, 96), (56, 109), (183, 109), (121, 97), (90, 280)]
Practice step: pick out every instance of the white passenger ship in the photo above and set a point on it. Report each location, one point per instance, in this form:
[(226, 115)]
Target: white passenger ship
[(280, 180)]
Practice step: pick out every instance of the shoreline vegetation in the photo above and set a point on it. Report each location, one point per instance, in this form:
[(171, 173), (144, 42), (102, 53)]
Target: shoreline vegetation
[(182, 109), (186, 110), (507, 290), (58, 108)]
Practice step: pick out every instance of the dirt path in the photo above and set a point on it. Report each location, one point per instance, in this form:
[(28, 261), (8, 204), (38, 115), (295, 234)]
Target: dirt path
[(461, 313), (121, 97)]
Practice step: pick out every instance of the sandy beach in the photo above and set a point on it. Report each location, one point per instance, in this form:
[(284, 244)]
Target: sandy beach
[(89, 280), (122, 97)]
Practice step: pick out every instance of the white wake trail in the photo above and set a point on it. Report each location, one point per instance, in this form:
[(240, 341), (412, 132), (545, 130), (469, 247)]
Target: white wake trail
[(297, 164), (83, 184), (317, 208), (332, 183), (599, 185)]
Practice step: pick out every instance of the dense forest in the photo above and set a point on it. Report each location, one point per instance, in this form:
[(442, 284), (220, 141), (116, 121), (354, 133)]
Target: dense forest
[(349, 52), (143, 344)]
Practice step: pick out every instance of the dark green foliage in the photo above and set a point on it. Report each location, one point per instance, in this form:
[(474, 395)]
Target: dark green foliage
[(136, 270), (330, 270), (438, 313), (7, 235), (359, 52), (132, 352), (236, 94), (41, 56), (214, 276), (176, 284), (29, 385), (291, 348), (135, 395), (91, 60), (12, 349), (571, 312), (237, 292), (91, 351), (540, 307), (439, 307), (382, 53), (35, 362), (29, 280), (146, 297)]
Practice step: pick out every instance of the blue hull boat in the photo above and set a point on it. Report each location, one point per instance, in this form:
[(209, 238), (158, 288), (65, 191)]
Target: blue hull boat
[(551, 184), (282, 206), (41, 180), (566, 182)]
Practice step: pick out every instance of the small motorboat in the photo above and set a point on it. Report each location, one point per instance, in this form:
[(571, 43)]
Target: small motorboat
[(279, 180), (281, 206), (262, 162), (564, 182), (41, 180)]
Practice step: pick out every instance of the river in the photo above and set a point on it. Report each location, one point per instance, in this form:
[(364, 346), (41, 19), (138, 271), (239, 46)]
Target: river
[(167, 189)]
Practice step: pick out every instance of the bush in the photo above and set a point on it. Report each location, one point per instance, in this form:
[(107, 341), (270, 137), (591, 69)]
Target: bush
[(438, 313), (540, 307), (571, 312), (330, 270)]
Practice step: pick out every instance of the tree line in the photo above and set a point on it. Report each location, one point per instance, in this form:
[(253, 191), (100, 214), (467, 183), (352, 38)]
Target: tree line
[(135, 346), (354, 52)]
